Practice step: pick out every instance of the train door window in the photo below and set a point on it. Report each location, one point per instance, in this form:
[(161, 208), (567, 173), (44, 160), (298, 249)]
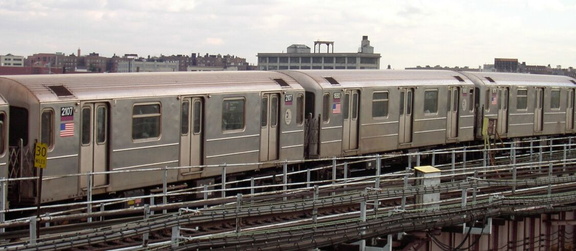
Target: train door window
[(522, 99), (379, 104), (197, 120), (86, 125), (345, 105), (431, 101), (2, 133), (471, 100), (233, 114), (555, 99), (300, 109), (184, 115), (101, 122), (264, 112), (274, 111), (326, 108), (47, 125), (487, 100), (354, 105), (146, 121)]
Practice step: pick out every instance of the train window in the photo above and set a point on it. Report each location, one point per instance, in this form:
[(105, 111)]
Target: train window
[(555, 99), (146, 121), (2, 133), (345, 105), (522, 99), (354, 105), (197, 116), (47, 125), (86, 124), (326, 108), (471, 100), (264, 112), (300, 109), (274, 111), (184, 118), (431, 101), (487, 100), (379, 104), (101, 121), (233, 114)]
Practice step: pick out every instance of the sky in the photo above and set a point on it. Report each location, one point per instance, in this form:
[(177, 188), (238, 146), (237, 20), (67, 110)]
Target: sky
[(407, 33)]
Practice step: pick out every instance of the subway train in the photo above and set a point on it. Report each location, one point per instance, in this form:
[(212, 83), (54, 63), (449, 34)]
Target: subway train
[(123, 122)]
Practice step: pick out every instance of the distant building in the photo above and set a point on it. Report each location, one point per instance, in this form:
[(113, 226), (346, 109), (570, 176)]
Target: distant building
[(11, 60), (298, 56), (506, 64), (218, 63)]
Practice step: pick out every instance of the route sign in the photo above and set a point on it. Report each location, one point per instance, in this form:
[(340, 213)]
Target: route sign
[(40, 155)]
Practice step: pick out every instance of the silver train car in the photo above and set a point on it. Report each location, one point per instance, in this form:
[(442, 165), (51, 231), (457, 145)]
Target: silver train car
[(363, 112), (95, 123), (526, 105), (118, 122)]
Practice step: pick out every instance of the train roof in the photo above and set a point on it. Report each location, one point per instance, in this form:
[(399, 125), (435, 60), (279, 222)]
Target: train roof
[(60, 87), (520, 79), (373, 78)]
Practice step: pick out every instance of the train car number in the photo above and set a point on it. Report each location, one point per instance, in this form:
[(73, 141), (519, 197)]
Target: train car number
[(66, 111)]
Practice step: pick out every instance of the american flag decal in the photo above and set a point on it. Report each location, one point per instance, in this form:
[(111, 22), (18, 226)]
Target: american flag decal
[(66, 129)]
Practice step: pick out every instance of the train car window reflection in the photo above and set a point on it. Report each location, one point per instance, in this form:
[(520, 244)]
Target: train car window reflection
[(184, 121), (197, 116), (233, 114), (431, 101), (379, 104), (326, 108), (146, 121), (555, 99), (47, 134), (522, 99), (86, 123)]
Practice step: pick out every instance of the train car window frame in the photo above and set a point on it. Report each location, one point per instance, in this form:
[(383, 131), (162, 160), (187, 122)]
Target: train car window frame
[(431, 101), (86, 126), (300, 109), (47, 127), (101, 128), (522, 99), (233, 120), (326, 104), (555, 95), (146, 124), (380, 104), (197, 117), (3, 133)]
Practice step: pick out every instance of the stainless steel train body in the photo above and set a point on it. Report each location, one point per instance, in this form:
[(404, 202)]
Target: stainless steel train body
[(363, 112), (121, 122), (128, 122), (526, 105)]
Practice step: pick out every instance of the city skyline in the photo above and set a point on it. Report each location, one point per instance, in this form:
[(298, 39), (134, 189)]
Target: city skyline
[(406, 34)]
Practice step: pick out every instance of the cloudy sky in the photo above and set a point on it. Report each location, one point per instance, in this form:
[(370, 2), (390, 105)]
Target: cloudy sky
[(405, 32)]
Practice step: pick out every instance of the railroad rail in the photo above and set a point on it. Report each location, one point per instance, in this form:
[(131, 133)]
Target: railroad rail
[(311, 214)]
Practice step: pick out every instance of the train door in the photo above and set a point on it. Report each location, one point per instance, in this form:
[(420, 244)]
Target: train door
[(405, 123), (350, 120), (570, 110), (269, 126), (453, 110), (538, 113), (503, 111), (191, 133), (94, 142)]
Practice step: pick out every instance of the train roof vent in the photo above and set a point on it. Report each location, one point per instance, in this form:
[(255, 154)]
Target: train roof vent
[(332, 81), (573, 82), (459, 78), (60, 90), (491, 80), (281, 82)]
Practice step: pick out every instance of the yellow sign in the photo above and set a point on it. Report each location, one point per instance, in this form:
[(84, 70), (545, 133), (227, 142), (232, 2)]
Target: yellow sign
[(40, 153)]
